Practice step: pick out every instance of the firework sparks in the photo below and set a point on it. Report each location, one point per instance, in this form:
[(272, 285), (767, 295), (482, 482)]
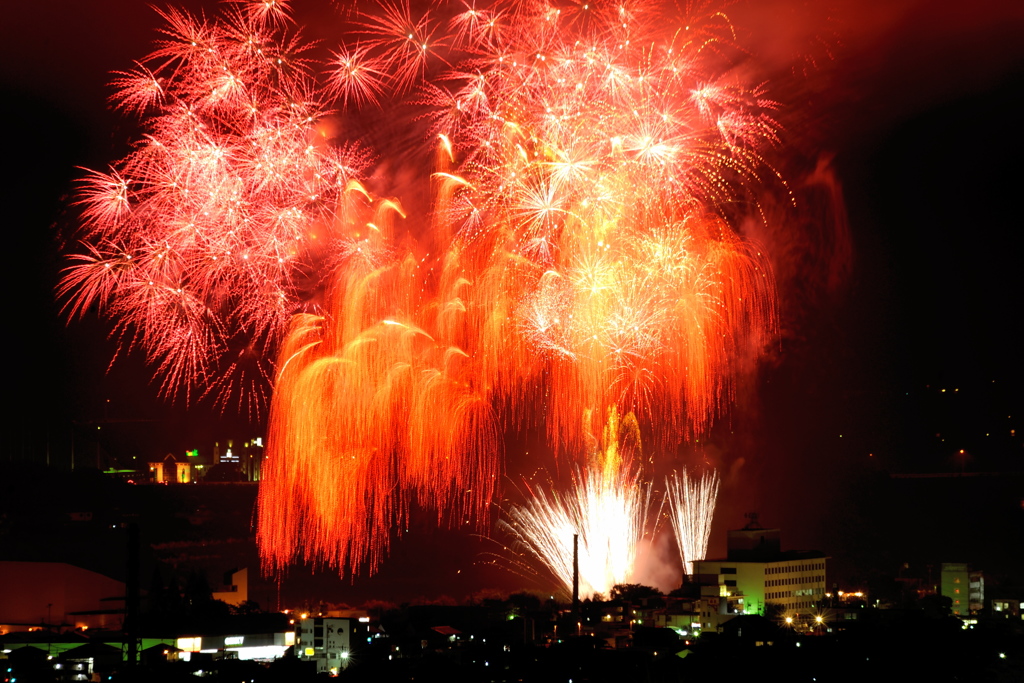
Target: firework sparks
[(607, 506), (691, 509), (579, 258), (199, 243)]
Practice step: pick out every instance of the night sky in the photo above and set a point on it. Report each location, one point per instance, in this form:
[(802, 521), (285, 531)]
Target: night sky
[(900, 341)]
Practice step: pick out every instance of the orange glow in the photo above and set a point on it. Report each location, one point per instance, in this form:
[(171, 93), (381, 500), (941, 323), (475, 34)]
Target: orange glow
[(565, 277), (580, 258)]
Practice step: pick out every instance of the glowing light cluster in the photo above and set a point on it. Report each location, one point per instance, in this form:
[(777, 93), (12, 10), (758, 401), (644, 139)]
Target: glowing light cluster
[(580, 256)]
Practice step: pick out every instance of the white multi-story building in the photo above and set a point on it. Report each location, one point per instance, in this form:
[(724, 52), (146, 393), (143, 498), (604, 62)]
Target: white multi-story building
[(795, 581), (327, 641), (757, 573)]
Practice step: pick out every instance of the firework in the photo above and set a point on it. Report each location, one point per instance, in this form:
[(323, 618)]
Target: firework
[(691, 509), (607, 506), (203, 242), (579, 257)]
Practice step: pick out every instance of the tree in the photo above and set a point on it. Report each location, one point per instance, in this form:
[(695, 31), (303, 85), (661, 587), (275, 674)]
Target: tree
[(936, 606), (246, 608), (524, 602), (775, 611), (633, 592)]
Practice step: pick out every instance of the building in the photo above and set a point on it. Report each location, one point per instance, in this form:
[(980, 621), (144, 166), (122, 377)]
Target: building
[(258, 646), (228, 456), (243, 459), (251, 459), (1007, 608), (327, 641), (171, 469), (236, 587), (58, 595), (757, 574), (964, 587), (691, 616)]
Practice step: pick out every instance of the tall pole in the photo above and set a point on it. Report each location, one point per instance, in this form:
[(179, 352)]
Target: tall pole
[(576, 577), (131, 611)]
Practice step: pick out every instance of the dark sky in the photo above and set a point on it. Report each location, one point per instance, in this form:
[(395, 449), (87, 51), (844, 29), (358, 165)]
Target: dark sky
[(900, 341)]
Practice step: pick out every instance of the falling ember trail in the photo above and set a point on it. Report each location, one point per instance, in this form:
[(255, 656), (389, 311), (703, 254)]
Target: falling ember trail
[(580, 256)]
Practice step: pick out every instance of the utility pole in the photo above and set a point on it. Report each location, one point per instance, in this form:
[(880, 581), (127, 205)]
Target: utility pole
[(576, 579), (131, 611)]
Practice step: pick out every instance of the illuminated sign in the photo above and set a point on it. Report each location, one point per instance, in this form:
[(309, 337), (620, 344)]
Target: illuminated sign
[(190, 644), (234, 640)]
